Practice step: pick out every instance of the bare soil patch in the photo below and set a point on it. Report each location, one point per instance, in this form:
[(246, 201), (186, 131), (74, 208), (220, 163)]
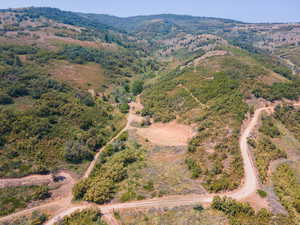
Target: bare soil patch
[(168, 134), (87, 76), (257, 202), (162, 134)]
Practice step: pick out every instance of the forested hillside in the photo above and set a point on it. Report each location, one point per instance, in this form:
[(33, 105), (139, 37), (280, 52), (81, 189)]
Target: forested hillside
[(53, 64), (46, 124), (159, 105)]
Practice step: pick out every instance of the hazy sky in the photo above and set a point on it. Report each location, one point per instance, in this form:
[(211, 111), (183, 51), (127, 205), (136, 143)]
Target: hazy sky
[(244, 10)]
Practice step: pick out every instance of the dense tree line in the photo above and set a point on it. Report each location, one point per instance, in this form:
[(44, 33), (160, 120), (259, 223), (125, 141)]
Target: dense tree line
[(264, 154), (287, 188), (85, 217), (243, 214), (290, 117)]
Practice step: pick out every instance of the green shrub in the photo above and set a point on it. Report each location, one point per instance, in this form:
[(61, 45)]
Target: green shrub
[(232, 207), (100, 191), (137, 87), (262, 193), (287, 188), (268, 127), (149, 186), (199, 208), (266, 152), (5, 99), (88, 100), (76, 153), (124, 108), (80, 189), (84, 217), (111, 169), (36, 218), (17, 198), (17, 91), (128, 195)]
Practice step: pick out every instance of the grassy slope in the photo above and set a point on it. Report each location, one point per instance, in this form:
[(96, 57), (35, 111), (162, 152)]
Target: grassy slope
[(222, 85), (287, 186), (176, 216), (17, 198)]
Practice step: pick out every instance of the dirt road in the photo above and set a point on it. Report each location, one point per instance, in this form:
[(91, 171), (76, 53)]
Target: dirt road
[(34, 180), (248, 187)]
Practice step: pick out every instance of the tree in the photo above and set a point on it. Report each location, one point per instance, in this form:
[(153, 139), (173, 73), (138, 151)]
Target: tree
[(80, 189), (137, 87), (41, 193), (76, 153), (5, 99), (124, 108), (18, 90), (17, 61), (101, 191), (88, 100)]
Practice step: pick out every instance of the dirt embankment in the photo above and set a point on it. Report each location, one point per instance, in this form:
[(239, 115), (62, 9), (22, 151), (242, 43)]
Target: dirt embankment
[(26, 181)]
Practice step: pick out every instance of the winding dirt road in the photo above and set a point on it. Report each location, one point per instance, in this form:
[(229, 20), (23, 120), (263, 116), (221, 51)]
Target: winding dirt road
[(248, 187)]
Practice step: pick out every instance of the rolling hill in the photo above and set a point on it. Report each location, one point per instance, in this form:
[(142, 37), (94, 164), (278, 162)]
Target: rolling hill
[(69, 81)]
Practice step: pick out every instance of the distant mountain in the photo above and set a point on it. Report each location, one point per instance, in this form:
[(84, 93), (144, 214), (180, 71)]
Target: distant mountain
[(165, 23), (65, 17)]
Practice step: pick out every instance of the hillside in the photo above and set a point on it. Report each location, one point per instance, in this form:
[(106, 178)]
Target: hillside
[(171, 23), (100, 115), (50, 73)]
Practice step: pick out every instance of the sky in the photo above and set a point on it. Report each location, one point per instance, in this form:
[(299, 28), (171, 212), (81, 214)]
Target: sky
[(243, 10)]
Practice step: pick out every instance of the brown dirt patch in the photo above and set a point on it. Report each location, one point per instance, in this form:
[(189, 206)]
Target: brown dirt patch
[(87, 76), (163, 134), (168, 134), (271, 78), (257, 202), (91, 44)]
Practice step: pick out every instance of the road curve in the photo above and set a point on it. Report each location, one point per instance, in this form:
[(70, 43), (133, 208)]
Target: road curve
[(249, 186)]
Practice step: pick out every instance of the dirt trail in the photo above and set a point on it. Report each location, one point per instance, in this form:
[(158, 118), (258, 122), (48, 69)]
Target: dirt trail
[(248, 188), (25, 181), (205, 56), (35, 180), (193, 96), (290, 64), (93, 163), (59, 204)]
